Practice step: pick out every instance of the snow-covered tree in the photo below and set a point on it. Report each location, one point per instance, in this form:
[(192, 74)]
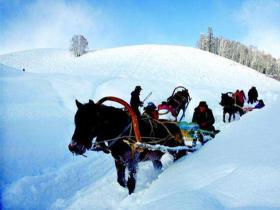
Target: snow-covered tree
[(210, 40), (79, 45), (202, 42), (246, 55)]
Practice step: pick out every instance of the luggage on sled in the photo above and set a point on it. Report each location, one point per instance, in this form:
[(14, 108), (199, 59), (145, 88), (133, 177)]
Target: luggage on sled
[(193, 136)]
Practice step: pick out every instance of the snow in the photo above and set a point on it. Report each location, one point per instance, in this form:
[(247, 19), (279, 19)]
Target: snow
[(239, 169)]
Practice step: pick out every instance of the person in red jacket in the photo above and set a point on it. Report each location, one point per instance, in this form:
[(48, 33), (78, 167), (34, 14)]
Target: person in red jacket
[(239, 97), (167, 112)]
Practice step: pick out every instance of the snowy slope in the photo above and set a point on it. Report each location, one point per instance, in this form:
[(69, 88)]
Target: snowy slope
[(240, 169)]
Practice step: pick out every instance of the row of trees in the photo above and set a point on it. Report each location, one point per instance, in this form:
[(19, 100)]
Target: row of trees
[(246, 55)]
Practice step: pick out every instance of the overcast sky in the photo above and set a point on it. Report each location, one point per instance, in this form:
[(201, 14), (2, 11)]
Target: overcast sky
[(28, 24)]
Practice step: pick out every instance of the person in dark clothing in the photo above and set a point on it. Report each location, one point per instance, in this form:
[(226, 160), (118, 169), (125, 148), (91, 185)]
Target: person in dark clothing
[(203, 116), (252, 95), (151, 110), (135, 101)]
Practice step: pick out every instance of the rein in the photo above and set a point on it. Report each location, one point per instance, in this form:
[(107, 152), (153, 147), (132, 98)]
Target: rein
[(119, 136)]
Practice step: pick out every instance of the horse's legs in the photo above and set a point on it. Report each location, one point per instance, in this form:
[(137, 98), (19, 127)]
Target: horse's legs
[(177, 155), (233, 116), (241, 112), (224, 116), (120, 166), (157, 164), (132, 168), (229, 118)]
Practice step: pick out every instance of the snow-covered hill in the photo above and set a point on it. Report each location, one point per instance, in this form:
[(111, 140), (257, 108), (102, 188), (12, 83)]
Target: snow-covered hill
[(240, 169)]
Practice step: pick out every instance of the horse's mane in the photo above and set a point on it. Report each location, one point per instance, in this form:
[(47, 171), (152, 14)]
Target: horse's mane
[(113, 119), (111, 110)]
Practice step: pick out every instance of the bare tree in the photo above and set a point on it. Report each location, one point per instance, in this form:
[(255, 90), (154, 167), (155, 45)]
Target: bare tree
[(79, 45)]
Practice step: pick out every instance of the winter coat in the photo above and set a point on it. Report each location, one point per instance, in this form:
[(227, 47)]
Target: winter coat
[(239, 97), (252, 95), (135, 101), (167, 108), (205, 120), (152, 111)]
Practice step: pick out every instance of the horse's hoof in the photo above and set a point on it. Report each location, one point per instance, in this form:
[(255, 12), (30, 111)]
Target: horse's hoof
[(122, 183), (130, 191), (131, 185)]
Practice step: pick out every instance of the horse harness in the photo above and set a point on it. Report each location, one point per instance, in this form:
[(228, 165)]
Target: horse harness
[(130, 139)]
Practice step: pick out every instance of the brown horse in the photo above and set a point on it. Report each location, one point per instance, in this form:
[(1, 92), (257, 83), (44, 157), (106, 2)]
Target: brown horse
[(111, 125)]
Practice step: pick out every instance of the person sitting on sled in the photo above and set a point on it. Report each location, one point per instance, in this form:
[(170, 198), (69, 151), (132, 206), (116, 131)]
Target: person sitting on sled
[(203, 116), (151, 110), (166, 112)]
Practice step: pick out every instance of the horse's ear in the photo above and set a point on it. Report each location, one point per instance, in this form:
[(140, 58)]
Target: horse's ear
[(91, 101), (79, 105)]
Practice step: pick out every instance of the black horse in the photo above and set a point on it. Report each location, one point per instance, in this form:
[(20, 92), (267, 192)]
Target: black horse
[(230, 107), (178, 101), (112, 126)]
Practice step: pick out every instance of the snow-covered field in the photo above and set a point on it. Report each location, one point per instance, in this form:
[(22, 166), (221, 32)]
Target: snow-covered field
[(239, 169)]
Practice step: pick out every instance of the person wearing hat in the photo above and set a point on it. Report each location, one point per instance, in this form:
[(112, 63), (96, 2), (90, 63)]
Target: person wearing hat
[(252, 95), (203, 116), (135, 101), (151, 110)]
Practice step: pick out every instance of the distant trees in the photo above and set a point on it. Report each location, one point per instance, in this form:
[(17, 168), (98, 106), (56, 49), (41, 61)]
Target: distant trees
[(79, 45), (246, 55), (210, 40), (202, 42)]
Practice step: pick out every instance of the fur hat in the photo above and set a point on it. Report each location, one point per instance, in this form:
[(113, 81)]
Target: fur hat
[(138, 87), (203, 103)]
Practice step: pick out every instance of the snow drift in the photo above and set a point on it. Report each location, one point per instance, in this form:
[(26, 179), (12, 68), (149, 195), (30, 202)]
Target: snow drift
[(239, 169)]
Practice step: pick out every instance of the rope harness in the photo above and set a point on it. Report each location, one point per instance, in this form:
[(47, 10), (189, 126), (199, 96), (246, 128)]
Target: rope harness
[(130, 139)]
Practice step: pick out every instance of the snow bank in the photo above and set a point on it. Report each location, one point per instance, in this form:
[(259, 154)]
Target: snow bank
[(239, 169)]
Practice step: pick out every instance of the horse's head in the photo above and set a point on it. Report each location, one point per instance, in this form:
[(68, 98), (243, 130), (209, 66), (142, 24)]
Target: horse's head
[(226, 100), (86, 127), (185, 93)]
